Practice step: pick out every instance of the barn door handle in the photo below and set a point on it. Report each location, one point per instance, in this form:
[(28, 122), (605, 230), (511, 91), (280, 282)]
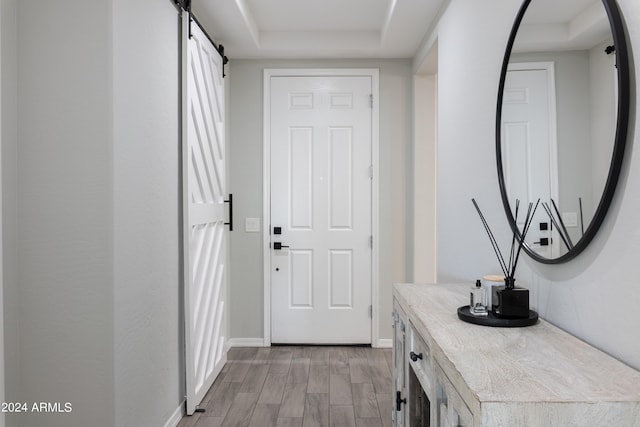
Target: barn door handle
[(230, 201)]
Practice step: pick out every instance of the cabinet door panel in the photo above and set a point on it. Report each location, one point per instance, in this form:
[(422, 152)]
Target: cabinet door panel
[(400, 367), (452, 411)]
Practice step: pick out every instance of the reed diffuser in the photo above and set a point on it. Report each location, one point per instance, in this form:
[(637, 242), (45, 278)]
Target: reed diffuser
[(508, 301)]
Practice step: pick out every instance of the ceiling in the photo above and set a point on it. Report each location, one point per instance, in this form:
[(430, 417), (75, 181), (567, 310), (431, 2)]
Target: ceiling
[(552, 25), (318, 28)]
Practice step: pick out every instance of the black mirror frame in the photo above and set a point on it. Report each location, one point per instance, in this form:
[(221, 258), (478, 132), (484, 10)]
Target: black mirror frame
[(624, 95)]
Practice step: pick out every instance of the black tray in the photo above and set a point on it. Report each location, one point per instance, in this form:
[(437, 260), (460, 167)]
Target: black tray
[(491, 320)]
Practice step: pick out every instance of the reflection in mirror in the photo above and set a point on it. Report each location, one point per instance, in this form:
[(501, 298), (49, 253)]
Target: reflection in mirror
[(558, 120)]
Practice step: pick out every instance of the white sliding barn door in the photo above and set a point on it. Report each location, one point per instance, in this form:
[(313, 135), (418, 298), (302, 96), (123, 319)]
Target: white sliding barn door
[(205, 234)]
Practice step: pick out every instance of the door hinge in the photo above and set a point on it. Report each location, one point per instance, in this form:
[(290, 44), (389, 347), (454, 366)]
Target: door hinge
[(370, 100), (371, 242), (370, 171), (370, 312)]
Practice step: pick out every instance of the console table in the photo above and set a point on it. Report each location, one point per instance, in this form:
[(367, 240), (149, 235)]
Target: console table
[(451, 373)]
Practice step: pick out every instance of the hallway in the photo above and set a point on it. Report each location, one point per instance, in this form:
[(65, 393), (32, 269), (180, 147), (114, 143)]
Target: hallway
[(300, 386)]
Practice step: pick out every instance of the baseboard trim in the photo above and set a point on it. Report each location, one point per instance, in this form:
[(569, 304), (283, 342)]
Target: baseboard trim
[(259, 342), (246, 342), (385, 343), (175, 417)]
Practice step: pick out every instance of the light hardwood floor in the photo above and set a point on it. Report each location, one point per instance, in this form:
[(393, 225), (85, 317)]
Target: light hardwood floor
[(301, 387)]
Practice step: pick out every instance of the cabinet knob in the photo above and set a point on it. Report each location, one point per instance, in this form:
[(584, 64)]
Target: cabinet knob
[(400, 401), (414, 356)]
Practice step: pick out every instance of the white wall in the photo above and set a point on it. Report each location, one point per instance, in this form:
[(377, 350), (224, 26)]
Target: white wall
[(2, 384), (245, 134), (471, 39), (90, 196), (603, 109), (594, 296), (424, 174), (8, 82), (148, 347), (65, 220)]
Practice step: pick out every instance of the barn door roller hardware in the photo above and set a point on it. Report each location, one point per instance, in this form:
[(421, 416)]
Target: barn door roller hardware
[(186, 6), (219, 48)]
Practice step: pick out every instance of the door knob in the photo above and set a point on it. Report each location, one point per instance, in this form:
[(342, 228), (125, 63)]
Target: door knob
[(415, 357), (278, 246), (544, 241)]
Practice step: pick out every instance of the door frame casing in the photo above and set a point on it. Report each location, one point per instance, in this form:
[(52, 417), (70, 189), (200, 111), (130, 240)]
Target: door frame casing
[(373, 73)]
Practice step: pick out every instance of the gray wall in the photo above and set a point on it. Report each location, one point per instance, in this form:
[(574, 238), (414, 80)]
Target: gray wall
[(148, 348), (603, 111), (9, 147), (2, 398), (471, 36), (245, 134), (64, 211), (594, 296), (90, 210)]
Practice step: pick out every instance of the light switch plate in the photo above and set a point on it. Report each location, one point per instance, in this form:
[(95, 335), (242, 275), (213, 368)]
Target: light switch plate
[(570, 219), (252, 225)]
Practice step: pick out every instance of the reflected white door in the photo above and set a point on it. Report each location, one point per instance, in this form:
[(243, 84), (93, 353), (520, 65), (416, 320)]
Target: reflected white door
[(205, 235), (528, 152), (321, 183)]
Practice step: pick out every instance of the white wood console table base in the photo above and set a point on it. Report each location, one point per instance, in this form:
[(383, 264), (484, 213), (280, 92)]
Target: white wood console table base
[(533, 376)]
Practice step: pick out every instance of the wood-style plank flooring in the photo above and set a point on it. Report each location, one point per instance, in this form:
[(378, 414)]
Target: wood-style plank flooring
[(301, 387)]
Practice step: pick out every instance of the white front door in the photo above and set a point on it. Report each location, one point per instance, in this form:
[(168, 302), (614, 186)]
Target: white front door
[(321, 206), (205, 235), (529, 150)]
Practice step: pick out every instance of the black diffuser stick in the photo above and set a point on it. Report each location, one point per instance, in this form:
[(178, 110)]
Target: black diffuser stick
[(513, 240), (561, 232), (566, 233), (581, 218), (512, 267), (527, 219), (547, 208), (512, 270), (530, 221), (494, 244), (527, 223), (496, 249)]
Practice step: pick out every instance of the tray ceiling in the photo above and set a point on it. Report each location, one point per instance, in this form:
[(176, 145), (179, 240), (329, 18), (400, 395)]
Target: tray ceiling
[(318, 28)]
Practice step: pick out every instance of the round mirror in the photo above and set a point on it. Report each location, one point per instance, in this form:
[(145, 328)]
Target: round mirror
[(562, 118)]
